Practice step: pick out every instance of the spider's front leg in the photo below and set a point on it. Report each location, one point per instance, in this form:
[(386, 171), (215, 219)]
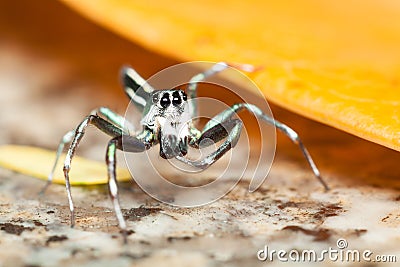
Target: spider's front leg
[(214, 130)]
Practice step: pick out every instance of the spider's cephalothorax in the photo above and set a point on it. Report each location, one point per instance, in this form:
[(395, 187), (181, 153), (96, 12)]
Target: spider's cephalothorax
[(167, 116), (167, 119)]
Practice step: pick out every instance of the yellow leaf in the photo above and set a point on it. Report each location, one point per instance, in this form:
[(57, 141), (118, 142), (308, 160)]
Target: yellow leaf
[(37, 162), (333, 61)]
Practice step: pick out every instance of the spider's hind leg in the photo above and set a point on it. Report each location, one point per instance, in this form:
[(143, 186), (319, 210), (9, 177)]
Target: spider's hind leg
[(67, 138)]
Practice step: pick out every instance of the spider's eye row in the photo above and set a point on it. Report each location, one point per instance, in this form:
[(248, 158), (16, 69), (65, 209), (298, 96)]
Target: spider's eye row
[(165, 102), (155, 98), (165, 99), (176, 98)]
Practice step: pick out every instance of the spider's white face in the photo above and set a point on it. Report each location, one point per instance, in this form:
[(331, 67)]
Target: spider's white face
[(170, 119), (170, 104)]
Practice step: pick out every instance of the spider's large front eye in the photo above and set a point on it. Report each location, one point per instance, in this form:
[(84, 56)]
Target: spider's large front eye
[(176, 98), (164, 102)]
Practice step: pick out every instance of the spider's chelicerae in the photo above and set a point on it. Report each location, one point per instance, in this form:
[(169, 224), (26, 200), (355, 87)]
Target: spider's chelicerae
[(167, 120)]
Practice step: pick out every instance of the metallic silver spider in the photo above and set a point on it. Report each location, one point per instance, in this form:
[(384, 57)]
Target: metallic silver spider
[(167, 119)]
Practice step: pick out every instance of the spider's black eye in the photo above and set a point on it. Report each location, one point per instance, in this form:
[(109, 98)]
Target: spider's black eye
[(184, 96), (176, 98), (164, 102), (155, 98)]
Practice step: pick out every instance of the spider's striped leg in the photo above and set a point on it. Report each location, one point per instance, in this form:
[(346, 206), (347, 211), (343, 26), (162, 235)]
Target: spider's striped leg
[(129, 144), (101, 124), (192, 86), (107, 114), (215, 69), (289, 132), (67, 138), (136, 88), (114, 118)]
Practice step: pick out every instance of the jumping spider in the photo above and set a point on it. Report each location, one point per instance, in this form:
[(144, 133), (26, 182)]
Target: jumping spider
[(167, 119)]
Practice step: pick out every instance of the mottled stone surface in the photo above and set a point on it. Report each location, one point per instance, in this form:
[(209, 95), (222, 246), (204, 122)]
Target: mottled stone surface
[(55, 67)]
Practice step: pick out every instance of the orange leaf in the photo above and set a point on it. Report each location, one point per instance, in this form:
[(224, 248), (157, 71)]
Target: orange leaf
[(333, 61)]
